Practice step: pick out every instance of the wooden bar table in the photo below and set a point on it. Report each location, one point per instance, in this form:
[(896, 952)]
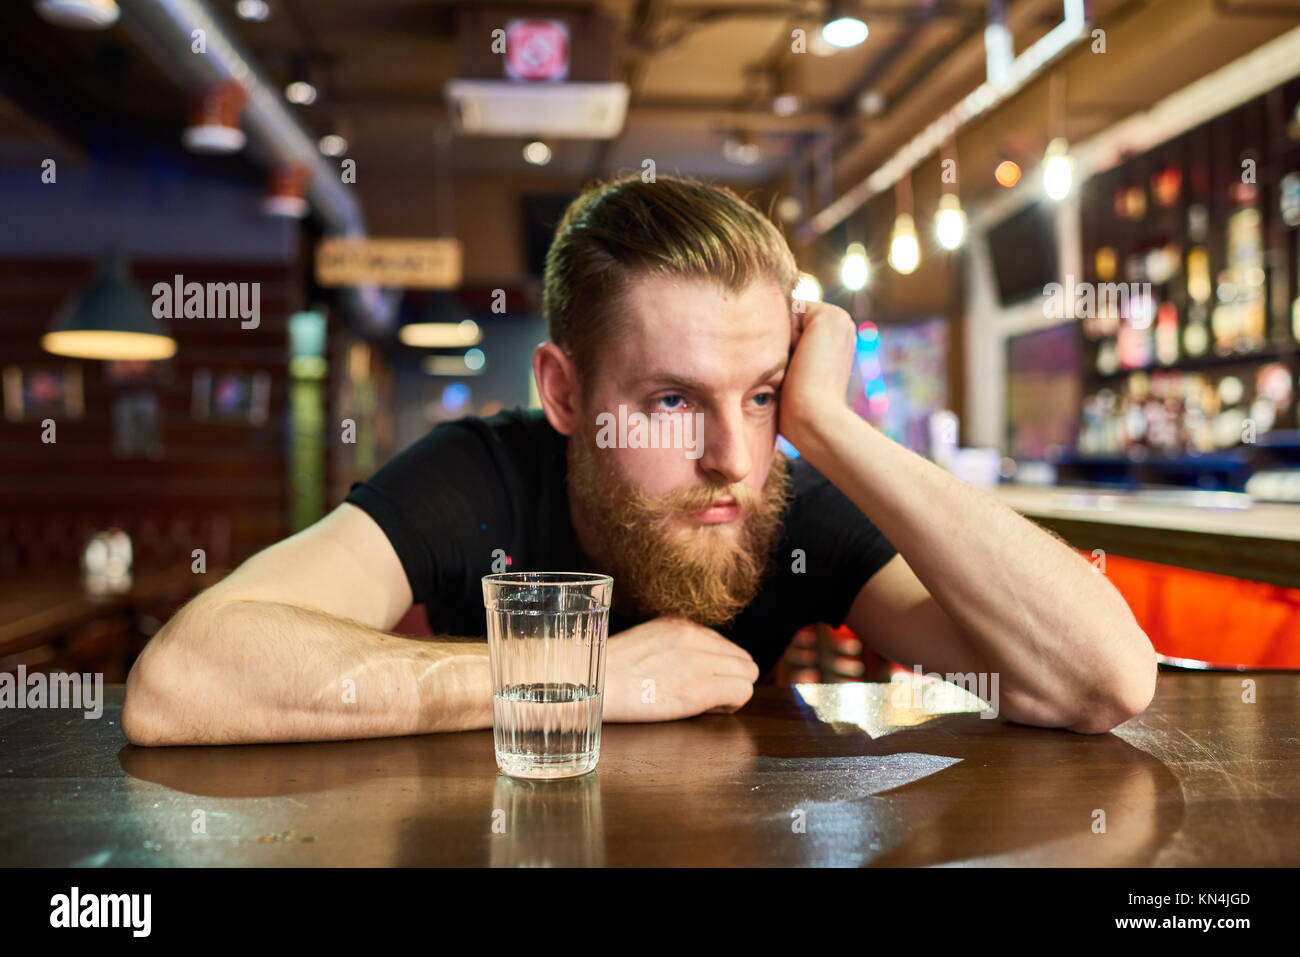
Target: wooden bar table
[(839, 775)]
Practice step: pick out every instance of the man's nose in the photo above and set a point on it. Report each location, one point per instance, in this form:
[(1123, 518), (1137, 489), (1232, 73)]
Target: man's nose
[(726, 452)]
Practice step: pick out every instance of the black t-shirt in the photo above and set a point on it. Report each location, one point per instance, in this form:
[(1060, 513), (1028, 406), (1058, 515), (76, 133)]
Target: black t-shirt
[(473, 486)]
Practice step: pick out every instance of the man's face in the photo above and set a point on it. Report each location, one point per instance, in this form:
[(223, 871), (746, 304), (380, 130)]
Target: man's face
[(685, 529)]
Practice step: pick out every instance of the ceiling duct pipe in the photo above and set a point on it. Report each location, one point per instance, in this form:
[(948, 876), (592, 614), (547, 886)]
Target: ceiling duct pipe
[(165, 29)]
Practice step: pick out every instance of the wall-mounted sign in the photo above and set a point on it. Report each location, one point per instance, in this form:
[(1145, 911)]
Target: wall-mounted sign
[(537, 50), (406, 263)]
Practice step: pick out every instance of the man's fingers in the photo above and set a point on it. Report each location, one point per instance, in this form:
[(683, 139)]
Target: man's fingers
[(731, 694), (711, 642), (729, 666)]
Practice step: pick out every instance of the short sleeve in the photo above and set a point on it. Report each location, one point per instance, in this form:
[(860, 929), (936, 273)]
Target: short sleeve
[(843, 549), (442, 502)]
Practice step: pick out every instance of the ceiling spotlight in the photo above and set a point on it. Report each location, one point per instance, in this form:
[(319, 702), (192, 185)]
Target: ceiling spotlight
[(300, 92), (742, 150), (855, 271), (537, 153), (214, 121), (786, 100), (332, 144), (256, 10), (286, 191), (950, 222), (79, 14), (786, 104), (844, 31), (872, 103)]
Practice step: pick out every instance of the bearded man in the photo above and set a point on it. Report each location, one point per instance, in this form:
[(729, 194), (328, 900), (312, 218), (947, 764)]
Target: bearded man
[(663, 299)]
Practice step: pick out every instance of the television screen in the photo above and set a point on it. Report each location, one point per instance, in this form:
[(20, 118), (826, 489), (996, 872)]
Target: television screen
[(1043, 393), (1023, 247)]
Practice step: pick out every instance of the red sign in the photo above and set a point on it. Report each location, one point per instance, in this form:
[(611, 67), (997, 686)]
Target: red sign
[(537, 50)]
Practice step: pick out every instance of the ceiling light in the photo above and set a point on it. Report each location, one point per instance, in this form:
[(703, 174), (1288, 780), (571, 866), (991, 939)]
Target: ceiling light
[(111, 319), (742, 150), (286, 191), (844, 32), (872, 103), (786, 100), (904, 247), (257, 10), (1058, 170), (214, 121), (1007, 174), (855, 271), (455, 366), (786, 104), (332, 144), (950, 222), (300, 92), (79, 14), (441, 335), (537, 153)]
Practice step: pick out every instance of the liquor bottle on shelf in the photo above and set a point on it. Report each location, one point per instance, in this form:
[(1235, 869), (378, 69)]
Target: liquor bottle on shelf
[(1107, 357), (1196, 334), (1240, 319), (1167, 334)]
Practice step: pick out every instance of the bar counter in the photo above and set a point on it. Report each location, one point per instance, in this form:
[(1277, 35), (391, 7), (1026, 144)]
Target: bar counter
[(1219, 532), (843, 775)]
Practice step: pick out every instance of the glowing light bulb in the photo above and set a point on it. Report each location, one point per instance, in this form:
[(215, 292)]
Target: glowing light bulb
[(845, 32), (855, 271), (300, 92), (808, 288), (1058, 170), (537, 153), (1007, 174), (904, 247), (950, 222)]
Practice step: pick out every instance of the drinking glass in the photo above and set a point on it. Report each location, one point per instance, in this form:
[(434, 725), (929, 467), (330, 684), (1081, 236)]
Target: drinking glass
[(546, 647)]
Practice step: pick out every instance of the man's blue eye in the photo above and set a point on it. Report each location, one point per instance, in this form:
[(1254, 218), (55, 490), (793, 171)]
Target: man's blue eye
[(669, 401), (767, 397)]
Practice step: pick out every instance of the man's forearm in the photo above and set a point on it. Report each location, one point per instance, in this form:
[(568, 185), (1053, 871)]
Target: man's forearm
[(1031, 607), (242, 672)]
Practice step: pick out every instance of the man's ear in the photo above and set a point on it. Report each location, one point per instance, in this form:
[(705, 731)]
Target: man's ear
[(557, 386)]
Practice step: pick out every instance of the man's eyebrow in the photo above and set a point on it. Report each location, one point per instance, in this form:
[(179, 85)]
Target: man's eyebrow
[(670, 378), (686, 382)]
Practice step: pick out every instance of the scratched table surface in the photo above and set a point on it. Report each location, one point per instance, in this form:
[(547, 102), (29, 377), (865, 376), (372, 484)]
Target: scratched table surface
[(837, 775)]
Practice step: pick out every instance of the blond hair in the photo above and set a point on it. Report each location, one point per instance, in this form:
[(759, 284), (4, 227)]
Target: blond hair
[(621, 230)]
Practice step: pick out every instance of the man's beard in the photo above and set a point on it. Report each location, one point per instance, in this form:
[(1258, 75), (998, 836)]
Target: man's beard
[(704, 572)]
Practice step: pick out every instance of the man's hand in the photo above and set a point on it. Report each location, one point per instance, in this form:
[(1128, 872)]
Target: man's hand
[(670, 668), (822, 343)]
